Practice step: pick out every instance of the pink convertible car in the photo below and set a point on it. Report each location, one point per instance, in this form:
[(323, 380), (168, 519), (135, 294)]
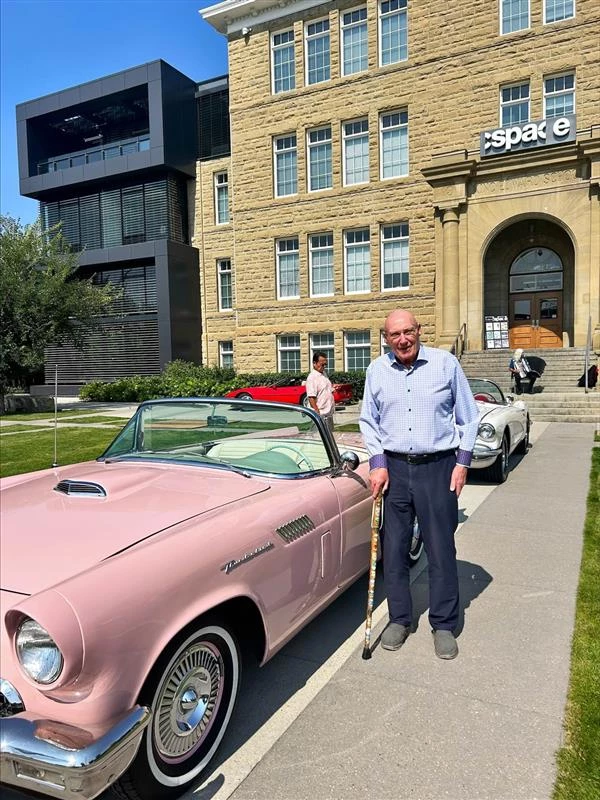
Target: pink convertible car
[(128, 584)]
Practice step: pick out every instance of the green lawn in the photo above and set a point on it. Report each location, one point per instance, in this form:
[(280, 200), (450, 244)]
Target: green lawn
[(15, 428), (579, 760), (118, 421), (31, 451), (67, 412)]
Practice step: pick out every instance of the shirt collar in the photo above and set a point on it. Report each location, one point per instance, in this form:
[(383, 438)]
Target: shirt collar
[(421, 357)]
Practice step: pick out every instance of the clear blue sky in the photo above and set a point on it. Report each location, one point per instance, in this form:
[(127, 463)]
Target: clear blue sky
[(49, 45)]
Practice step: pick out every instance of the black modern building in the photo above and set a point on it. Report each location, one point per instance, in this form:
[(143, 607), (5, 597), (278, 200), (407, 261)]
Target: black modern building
[(114, 160)]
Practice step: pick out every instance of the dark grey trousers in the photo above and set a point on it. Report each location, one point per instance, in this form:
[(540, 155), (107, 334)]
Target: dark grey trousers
[(424, 490)]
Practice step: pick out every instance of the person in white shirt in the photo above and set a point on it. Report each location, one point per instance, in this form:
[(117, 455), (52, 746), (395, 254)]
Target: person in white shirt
[(319, 389)]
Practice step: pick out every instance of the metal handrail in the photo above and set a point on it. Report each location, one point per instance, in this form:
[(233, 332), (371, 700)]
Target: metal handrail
[(588, 346), (458, 348)]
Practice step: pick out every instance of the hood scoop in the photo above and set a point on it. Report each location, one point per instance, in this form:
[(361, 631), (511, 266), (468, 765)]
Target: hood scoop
[(80, 488)]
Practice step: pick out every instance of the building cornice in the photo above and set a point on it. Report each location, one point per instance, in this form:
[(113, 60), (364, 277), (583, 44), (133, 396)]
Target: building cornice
[(234, 16)]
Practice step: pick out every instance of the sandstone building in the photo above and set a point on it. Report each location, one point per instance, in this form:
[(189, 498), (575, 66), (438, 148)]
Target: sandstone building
[(392, 153)]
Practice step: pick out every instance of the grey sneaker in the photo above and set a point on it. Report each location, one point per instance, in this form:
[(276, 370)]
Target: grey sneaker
[(394, 636), (445, 644)]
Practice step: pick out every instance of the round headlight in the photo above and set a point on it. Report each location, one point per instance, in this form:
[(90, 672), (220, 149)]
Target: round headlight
[(38, 654), (486, 431)]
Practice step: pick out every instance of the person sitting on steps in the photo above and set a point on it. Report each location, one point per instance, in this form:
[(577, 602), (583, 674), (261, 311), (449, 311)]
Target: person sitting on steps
[(519, 368)]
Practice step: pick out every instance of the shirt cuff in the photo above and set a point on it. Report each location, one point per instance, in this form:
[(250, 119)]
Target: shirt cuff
[(378, 461), (463, 457)]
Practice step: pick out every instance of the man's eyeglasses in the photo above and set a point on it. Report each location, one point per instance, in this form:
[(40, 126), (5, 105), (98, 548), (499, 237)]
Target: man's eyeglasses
[(408, 333)]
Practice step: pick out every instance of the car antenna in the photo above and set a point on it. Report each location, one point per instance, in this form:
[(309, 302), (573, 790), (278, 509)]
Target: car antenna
[(55, 462)]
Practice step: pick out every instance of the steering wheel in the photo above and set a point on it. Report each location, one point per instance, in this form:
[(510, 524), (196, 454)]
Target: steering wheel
[(295, 450), (484, 397)]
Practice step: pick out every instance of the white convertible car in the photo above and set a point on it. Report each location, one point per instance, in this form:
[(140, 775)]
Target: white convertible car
[(504, 426)]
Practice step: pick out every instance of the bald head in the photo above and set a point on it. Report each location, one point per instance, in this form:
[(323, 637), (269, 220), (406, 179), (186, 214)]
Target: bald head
[(400, 318), (402, 335)]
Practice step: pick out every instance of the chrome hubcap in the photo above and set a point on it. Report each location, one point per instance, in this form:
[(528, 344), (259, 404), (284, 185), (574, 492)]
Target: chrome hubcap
[(188, 701)]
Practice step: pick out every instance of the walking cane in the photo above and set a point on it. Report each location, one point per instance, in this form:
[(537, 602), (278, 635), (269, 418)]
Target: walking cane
[(375, 523)]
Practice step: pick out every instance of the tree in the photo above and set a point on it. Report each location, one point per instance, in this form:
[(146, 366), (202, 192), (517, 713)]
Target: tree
[(42, 300)]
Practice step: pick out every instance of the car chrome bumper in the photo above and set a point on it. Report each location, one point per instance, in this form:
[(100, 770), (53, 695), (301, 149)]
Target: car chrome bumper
[(61, 760), (484, 457)]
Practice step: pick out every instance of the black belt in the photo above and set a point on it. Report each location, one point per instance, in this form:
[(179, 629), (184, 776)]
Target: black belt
[(420, 458)]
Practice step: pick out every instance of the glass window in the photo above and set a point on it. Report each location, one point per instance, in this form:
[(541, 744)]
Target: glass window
[(357, 260), (288, 268), (393, 31), (133, 215), (320, 253), (394, 257), (384, 346), (514, 104), (559, 95), (156, 210), (288, 353), (144, 144), (110, 213), (89, 215), (394, 144), (225, 279), (354, 41), (69, 216), (358, 350), (221, 198), (514, 15), (112, 152), (324, 342), (555, 10), (536, 269), (356, 152), (284, 62), (317, 52), (522, 309), (286, 165), (226, 353), (320, 174)]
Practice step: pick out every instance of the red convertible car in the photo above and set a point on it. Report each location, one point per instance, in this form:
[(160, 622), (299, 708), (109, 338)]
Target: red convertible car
[(289, 390)]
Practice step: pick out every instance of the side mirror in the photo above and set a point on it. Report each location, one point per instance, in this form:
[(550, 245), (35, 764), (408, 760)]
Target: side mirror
[(350, 460)]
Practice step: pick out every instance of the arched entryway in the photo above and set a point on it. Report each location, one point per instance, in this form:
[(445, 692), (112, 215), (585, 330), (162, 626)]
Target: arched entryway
[(535, 301), (528, 277)]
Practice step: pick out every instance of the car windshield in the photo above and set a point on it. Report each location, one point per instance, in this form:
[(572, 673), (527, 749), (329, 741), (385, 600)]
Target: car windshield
[(250, 437), (486, 391)]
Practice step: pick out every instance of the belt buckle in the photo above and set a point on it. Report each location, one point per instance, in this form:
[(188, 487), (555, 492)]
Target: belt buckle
[(412, 459)]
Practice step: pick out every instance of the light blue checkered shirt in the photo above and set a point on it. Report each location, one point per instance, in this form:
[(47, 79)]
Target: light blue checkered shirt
[(424, 409)]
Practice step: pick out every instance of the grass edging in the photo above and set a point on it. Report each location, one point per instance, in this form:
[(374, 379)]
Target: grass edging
[(578, 761)]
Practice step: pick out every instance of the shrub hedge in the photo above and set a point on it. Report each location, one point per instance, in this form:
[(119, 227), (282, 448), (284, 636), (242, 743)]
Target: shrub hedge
[(184, 379)]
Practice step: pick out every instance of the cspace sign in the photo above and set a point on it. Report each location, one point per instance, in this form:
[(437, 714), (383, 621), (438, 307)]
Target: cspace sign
[(556, 130)]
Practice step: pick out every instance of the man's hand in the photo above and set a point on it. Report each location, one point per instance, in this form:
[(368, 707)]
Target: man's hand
[(379, 479), (458, 479)]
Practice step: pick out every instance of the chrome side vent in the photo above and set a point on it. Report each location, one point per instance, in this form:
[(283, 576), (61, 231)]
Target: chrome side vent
[(80, 488), (296, 528)]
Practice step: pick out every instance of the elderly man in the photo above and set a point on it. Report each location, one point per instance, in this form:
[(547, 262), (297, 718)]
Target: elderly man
[(419, 421)]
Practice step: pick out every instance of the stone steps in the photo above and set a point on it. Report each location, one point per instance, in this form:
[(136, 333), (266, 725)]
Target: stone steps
[(556, 397)]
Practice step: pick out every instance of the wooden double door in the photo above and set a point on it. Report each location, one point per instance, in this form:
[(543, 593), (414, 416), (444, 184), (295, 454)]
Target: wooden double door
[(535, 319)]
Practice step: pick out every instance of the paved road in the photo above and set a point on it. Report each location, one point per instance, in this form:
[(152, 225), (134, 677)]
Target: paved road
[(319, 723)]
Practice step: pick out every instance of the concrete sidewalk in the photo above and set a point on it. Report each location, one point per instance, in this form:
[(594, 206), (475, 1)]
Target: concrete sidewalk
[(487, 725)]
